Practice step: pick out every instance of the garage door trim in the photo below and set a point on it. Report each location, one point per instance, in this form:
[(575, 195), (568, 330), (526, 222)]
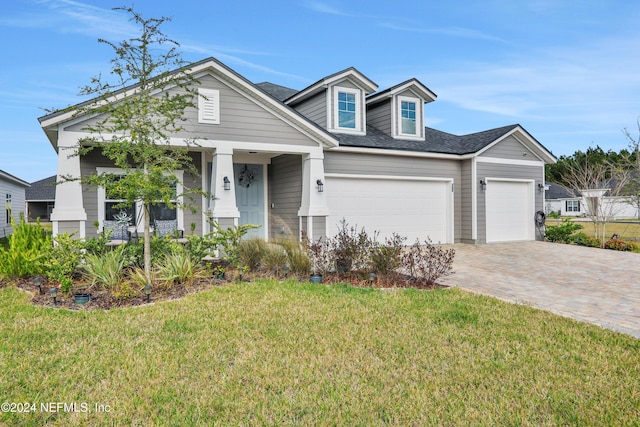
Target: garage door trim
[(530, 207), (450, 232)]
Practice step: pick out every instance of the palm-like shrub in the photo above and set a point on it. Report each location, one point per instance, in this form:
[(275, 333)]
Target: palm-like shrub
[(105, 271), (178, 267)]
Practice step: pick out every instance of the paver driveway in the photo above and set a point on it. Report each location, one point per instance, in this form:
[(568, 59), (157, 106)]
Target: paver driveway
[(588, 284)]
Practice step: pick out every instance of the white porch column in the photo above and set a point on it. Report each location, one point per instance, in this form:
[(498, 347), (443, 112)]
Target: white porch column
[(68, 214), (223, 204), (314, 203)]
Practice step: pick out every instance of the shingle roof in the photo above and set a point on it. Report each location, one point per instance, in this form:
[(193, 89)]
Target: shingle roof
[(279, 92), (42, 190), (435, 141), (557, 191)]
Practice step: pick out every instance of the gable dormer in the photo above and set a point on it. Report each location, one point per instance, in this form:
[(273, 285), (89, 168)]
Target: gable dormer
[(336, 102), (399, 110)]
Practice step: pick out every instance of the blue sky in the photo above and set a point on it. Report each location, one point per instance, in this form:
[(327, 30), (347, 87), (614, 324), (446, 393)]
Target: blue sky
[(567, 71)]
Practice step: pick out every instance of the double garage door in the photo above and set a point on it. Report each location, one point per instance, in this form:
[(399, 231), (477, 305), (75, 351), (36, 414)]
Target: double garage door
[(509, 210), (416, 208)]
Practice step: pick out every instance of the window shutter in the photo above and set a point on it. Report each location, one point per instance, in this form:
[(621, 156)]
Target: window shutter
[(209, 106)]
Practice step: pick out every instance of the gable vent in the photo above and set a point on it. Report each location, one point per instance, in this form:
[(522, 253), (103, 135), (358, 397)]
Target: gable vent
[(209, 106)]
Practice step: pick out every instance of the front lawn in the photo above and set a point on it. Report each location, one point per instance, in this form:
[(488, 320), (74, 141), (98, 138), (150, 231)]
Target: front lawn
[(289, 353)]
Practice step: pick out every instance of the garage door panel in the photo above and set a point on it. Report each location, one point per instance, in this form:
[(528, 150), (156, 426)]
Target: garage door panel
[(415, 209), (509, 211)]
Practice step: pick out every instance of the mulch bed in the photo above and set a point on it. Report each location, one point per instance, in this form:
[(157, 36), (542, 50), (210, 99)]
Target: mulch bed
[(105, 300)]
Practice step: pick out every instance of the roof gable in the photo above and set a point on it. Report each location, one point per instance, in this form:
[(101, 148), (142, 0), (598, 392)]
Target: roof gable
[(15, 180), (45, 189), (350, 74), (226, 75), (414, 85)]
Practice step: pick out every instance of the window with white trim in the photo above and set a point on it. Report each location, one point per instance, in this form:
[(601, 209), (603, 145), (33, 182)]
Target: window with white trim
[(113, 208), (347, 109), (209, 106), (409, 116), (572, 205), (160, 211)]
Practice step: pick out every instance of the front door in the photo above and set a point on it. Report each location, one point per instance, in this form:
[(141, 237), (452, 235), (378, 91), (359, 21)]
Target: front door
[(249, 185)]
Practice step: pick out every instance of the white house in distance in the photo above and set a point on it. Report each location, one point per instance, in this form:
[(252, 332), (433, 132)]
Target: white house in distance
[(566, 202), (12, 193), (299, 161)]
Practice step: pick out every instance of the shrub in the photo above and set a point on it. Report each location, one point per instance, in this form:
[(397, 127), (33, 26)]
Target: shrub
[(26, 250), (297, 257), (105, 271), (428, 262), (388, 257), (274, 258), (229, 239), (621, 245), (582, 239), (199, 247), (562, 233), (63, 259), (96, 245), (350, 248), (320, 255), (177, 268), (250, 253)]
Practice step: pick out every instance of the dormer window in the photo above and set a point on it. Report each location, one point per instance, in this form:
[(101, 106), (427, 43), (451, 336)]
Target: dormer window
[(347, 110), (409, 117)]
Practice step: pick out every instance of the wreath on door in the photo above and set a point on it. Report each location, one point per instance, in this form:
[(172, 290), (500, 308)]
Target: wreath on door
[(246, 177)]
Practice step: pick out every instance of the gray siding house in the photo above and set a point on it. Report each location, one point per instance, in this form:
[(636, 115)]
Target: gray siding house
[(40, 198), (12, 192), (300, 161)]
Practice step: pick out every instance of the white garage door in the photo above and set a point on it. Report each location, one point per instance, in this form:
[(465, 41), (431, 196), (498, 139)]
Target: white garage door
[(412, 208), (509, 211)]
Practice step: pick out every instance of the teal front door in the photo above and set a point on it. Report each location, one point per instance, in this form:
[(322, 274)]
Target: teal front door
[(249, 185)]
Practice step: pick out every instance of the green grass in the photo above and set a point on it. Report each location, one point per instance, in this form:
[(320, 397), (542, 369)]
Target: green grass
[(270, 353)]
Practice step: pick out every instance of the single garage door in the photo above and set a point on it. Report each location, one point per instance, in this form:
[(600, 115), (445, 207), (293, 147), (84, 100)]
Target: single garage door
[(415, 208), (509, 210)]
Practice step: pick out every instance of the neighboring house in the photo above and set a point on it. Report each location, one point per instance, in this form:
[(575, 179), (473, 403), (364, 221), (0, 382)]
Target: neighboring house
[(12, 197), (299, 161), (567, 202), (40, 199)]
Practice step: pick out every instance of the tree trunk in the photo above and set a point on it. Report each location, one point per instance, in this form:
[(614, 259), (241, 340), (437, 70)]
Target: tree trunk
[(147, 243), (147, 238)]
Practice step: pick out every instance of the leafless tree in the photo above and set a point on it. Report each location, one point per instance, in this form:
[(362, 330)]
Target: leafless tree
[(632, 164), (598, 184)]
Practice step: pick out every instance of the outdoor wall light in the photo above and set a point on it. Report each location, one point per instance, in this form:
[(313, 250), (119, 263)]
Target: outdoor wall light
[(54, 294), (483, 184), (147, 292), (540, 187), (227, 183), (320, 186), (37, 282)]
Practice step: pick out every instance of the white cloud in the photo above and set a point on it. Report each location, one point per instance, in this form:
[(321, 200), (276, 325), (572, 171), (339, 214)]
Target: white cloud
[(68, 16), (324, 8), (447, 31)]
